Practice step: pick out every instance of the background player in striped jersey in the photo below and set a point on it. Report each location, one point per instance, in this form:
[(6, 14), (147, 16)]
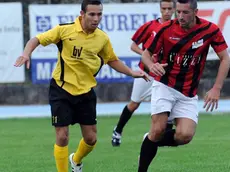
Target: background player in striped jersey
[(185, 42), (141, 88)]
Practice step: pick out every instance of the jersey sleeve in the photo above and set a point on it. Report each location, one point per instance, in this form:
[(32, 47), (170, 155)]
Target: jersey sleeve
[(142, 33), (155, 42), (218, 42), (107, 53), (50, 36)]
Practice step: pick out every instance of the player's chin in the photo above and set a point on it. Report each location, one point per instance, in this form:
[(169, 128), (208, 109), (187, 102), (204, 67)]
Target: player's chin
[(94, 26), (167, 17)]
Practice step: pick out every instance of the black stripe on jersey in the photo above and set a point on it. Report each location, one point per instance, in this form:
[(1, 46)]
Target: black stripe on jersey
[(143, 32), (180, 78), (63, 24), (218, 43), (156, 39), (60, 47), (102, 62), (195, 83), (197, 71), (177, 47)]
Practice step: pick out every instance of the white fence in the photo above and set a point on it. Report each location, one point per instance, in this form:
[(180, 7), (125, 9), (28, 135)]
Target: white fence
[(103, 109)]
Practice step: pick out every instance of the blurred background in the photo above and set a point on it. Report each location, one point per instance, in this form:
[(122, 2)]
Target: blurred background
[(24, 93), (121, 19)]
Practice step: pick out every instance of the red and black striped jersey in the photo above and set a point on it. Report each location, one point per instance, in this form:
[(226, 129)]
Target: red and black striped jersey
[(185, 52), (142, 35)]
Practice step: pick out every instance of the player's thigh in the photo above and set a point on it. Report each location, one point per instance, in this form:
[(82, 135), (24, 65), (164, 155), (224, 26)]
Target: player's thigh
[(158, 126), (61, 109), (141, 90), (185, 130), (85, 109), (185, 126), (186, 107), (162, 100)]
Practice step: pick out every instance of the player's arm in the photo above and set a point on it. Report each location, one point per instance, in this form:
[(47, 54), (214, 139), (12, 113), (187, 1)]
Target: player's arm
[(25, 57), (153, 46), (212, 96), (135, 48), (223, 69), (112, 60), (139, 37), (46, 38), (119, 66)]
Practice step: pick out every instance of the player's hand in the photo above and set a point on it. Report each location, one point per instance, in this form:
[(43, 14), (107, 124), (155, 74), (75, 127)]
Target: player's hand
[(23, 59), (158, 69), (154, 58), (139, 74), (211, 99)]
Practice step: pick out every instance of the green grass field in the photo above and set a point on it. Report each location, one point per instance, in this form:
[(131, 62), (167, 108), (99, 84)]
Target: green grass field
[(26, 145)]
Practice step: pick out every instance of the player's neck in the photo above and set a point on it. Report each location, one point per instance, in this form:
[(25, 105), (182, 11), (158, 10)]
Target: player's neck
[(192, 24), (162, 20), (84, 28)]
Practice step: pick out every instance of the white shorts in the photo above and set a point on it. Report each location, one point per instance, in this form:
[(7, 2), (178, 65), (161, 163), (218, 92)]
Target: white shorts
[(167, 99), (141, 90)]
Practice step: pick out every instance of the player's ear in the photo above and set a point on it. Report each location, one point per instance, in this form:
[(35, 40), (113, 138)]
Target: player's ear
[(82, 13), (196, 11)]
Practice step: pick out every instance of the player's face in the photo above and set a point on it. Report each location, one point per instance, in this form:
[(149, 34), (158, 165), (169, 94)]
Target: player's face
[(92, 17), (186, 15), (167, 10)]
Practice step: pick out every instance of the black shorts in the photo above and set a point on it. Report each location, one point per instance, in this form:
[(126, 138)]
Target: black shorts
[(67, 109)]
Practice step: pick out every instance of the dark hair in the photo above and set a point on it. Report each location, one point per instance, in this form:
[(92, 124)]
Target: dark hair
[(85, 3), (193, 3), (173, 1)]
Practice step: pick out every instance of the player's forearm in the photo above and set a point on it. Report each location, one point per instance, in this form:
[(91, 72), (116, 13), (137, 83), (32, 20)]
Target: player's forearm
[(136, 49), (120, 67), (146, 58), (222, 73), (30, 46)]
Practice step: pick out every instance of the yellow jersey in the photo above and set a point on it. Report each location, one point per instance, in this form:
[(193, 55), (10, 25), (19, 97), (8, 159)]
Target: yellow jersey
[(80, 55)]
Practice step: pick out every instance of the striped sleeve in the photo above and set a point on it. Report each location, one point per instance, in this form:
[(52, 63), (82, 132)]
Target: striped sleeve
[(218, 42), (155, 42), (142, 33)]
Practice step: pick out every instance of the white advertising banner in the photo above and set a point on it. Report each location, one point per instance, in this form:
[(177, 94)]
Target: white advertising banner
[(11, 44), (217, 12), (119, 21)]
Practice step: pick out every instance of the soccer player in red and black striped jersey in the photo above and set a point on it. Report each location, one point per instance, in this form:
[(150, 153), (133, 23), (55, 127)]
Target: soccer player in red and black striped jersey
[(185, 42), (142, 89)]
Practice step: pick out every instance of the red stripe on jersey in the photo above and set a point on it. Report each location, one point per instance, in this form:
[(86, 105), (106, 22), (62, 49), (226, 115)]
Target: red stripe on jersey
[(145, 31)]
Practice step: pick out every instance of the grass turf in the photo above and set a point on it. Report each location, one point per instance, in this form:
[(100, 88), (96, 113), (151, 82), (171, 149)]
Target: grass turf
[(26, 145)]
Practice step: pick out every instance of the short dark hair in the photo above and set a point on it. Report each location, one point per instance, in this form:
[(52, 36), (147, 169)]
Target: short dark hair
[(173, 1), (85, 3), (193, 3)]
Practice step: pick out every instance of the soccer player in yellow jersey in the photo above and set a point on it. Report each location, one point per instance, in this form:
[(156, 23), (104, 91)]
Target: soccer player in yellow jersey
[(83, 49)]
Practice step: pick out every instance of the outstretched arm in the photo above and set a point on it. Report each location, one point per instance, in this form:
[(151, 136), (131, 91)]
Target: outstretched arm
[(25, 57), (122, 68)]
